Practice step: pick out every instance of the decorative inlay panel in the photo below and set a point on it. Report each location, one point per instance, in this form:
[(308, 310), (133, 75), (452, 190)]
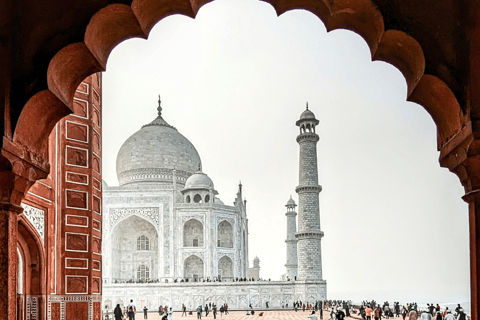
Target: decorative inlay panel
[(97, 225), (76, 131), (76, 157), (77, 178), (36, 217), (83, 88), (76, 284), (96, 205), (80, 108), (77, 199), (76, 221), (76, 263), (185, 255), (97, 184), (76, 242), (166, 238), (117, 214), (96, 164)]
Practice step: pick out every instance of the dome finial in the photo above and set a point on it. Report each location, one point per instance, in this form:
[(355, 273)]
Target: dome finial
[(159, 106), (307, 104)]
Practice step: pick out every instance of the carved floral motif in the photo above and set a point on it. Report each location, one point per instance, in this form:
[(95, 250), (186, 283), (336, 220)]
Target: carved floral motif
[(36, 217), (117, 214)]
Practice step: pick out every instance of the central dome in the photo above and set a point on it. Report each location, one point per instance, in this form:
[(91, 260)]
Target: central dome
[(152, 153)]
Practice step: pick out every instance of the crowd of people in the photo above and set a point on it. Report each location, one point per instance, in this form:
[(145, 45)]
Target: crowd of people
[(376, 311), (338, 310), (182, 280)]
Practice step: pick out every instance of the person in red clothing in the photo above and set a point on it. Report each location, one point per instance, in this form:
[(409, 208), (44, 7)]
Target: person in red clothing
[(304, 307), (368, 312), (376, 313)]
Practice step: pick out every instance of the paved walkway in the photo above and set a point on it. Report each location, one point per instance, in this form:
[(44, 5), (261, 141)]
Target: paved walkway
[(241, 315)]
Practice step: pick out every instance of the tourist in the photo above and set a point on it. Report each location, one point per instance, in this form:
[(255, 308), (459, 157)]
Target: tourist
[(303, 307), (413, 315), (461, 315), (170, 314), (313, 316), (145, 316), (445, 312), (226, 308), (376, 312), (449, 316), (160, 310), (118, 312), (199, 312), (222, 310), (439, 315), (362, 312), (184, 310), (131, 310), (214, 310), (332, 313), (404, 312), (426, 314), (206, 310)]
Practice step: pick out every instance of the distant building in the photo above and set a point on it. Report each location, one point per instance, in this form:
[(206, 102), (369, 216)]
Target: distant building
[(254, 273)]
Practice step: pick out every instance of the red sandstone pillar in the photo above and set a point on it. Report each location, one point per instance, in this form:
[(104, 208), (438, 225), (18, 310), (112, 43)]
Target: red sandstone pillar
[(473, 199), (79, 287), (8, 259)]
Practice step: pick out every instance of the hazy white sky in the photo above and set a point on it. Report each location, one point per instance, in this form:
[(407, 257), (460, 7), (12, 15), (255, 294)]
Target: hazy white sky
[(235, 80)]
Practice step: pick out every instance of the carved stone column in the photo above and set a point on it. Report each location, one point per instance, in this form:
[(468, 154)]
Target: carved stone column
[(461, 155), (19, 169)]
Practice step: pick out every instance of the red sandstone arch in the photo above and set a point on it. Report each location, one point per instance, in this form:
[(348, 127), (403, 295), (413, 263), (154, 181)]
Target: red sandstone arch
[(33, 255), (118, 22)]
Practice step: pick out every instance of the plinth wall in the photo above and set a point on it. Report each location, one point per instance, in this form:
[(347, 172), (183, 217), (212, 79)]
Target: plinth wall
[(238, 295)]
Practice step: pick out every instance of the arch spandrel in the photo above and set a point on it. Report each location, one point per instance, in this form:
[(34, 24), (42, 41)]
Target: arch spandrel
[(117, 215)]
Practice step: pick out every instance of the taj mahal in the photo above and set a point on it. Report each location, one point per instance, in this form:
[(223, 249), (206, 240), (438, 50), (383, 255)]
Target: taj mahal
[(169, 239)]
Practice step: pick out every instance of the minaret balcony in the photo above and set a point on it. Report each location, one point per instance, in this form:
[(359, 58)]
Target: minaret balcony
[(309, 235), (308, 136), (304, 189)]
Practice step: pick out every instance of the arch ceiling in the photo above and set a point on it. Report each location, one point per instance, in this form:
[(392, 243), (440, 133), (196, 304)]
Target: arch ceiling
[(424, 41)]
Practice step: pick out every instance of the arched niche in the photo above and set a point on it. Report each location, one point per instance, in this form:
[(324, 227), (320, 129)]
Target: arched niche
[(193, 268), (127, 255), (225, 235), (225, 268), (31, 270), (193, 233)]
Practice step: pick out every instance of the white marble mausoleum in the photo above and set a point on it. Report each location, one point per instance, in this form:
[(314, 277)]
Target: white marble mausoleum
[(165, 231)]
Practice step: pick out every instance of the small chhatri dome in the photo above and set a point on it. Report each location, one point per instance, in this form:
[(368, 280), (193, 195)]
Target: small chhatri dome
[(152, 153), (291, 203), (307, 115), (199, 180)]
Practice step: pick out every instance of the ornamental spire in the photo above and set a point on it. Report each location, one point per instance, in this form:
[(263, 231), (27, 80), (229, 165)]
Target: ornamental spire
[(160, 106), (159, 120), (307, 103)]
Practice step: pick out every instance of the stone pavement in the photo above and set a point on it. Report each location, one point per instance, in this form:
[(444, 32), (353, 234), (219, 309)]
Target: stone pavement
[(241, 315)]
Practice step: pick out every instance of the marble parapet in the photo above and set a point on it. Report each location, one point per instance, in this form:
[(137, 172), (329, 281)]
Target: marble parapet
[(238, 295)]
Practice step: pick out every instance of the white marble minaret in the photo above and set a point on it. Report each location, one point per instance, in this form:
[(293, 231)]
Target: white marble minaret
[(309, 234), (291, 241)]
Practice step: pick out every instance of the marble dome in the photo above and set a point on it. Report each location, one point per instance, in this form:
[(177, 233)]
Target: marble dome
[(307, 114), (152, 153), (199, 180)]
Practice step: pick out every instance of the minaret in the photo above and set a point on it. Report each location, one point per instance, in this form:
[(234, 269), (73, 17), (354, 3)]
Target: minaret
[(309, 235), (292, 259)]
